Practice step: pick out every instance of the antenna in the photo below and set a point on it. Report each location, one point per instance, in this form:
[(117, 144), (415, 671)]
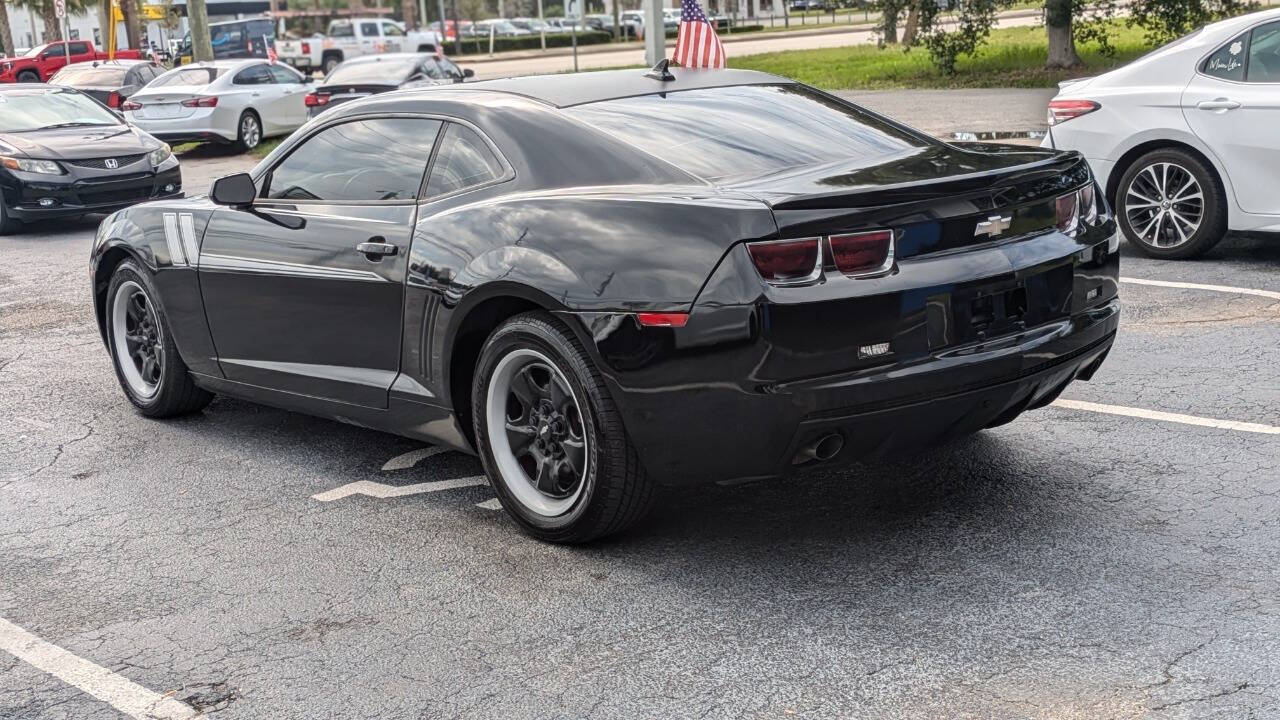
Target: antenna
[(660, 72)]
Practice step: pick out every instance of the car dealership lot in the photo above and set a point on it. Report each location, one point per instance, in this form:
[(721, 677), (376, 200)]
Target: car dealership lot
[(1072, 564)]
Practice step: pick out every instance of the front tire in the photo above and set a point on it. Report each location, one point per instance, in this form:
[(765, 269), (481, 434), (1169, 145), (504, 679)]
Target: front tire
[(147, 363), (28, 76), (550, 437), (1170, 205), (248, 131)]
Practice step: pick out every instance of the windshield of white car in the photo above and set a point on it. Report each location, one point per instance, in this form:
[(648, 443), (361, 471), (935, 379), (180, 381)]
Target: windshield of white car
[(187, 76), (380, 72), (24, 112)]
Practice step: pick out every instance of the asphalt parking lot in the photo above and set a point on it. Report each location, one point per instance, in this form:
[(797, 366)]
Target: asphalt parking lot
[(1073, 564)]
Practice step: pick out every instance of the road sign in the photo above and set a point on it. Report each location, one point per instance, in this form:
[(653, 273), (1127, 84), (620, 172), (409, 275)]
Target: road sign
[(154, 12), (60, 8)]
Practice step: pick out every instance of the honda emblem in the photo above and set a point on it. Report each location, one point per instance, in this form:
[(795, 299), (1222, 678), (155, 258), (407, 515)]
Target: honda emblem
[(111, 163)]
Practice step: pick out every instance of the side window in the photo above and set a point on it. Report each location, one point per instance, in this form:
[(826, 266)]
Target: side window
[(1264, 54), (392, 30), (79, 48), (253, 75), (358, 161), (1227, 62), (133, 77), (369, 29), (450, 70), (465, 160), (283, 75), (342, 30), (432, 69)]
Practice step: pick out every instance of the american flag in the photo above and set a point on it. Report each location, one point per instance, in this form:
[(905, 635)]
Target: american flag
[(697, 45), (271, 50)]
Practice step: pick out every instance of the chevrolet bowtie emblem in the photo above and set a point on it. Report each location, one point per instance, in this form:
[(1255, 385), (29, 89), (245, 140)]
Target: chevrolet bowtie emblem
[(993, 225)]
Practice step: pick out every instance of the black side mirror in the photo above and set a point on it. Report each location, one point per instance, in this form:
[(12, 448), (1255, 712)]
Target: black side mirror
[(468, 72), (234, 190)]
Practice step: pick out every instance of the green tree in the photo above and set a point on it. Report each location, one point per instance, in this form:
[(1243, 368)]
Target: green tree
[(1166, 20)]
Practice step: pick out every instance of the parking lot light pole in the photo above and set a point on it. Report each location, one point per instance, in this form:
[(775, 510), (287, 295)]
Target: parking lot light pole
[(655, 33)]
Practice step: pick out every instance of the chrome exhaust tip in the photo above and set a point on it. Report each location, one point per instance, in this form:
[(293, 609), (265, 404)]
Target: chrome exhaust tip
[(822, 448)]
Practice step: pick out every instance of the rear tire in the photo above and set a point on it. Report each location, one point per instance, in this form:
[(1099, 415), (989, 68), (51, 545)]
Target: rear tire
[(1170, 205), (147, 363), (329, 63), (551, 438), (248, 131), (28, 76)]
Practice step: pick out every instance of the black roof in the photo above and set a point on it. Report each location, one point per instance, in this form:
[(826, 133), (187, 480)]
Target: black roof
[(568, 89)]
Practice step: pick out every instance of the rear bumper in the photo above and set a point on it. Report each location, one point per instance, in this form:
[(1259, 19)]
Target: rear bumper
[(717, 404), (217, 124)]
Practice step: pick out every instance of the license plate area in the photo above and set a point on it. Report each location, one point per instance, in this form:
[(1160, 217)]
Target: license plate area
[(993, 309)]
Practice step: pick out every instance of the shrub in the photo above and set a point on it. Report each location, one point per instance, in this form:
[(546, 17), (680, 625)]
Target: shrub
[(480, 45)]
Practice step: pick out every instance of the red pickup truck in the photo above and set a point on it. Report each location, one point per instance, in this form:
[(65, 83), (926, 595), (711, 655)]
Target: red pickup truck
[(41, 62)]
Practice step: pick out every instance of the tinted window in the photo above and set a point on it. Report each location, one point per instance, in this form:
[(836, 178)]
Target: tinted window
[(23, 111), (79, 48), (227, 37), (1264, 54), (747, 131), (284, 75), (464, 160), (255, 75), (89, 76), (188, 76), (342, 30), (369, 29), (381, 159), (450, 69), (1227, 62)]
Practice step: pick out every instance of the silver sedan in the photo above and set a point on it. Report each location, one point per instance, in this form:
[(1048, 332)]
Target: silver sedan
[(224, 101)]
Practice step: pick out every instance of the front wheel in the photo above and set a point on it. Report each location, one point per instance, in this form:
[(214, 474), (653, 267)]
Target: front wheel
[(7, 224), (1170, 206), (28, 76), (551, 438), (249, 131), (152, 374)]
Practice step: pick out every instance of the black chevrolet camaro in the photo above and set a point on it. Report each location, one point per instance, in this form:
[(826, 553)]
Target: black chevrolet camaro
[(62, 153), (601, 283)]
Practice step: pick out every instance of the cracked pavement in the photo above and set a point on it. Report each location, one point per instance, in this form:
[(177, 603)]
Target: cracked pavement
[(1069, 565)]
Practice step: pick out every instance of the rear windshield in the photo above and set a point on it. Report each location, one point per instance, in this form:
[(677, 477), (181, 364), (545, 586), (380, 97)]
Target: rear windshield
[(89, 76), (380, 72), (187, 76), (23, 111), (746, 131)]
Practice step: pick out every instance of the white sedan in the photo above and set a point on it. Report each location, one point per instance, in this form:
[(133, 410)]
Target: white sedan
[(1185, 141), (224, 101)]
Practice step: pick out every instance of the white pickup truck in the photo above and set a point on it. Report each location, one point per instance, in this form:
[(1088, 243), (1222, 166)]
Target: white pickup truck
[(348, 38)]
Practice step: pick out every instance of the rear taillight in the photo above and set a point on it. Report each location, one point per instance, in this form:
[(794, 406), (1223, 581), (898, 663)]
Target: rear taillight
[(1061, 111), (315, 100), (1081, 206), (1068, 212), (862, 253), (787, 262), (306, 48), (128, 105), (113, 100), (201, 102), (653, 319)]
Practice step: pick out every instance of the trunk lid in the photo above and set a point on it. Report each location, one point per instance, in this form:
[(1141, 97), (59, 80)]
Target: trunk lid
[(933, 197)]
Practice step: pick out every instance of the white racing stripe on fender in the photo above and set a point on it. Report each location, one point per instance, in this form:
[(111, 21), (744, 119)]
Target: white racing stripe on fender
[(1272, 294), (117, 691), (187, 227), (1168, 417), (176, 256)]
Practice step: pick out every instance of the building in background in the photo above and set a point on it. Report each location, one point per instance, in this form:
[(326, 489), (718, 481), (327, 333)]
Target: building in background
[(28, 27)]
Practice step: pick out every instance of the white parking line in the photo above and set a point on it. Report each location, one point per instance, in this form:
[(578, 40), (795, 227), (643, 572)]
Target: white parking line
[(120, 693), (383, 491), (1168, 417), (1198, 286)]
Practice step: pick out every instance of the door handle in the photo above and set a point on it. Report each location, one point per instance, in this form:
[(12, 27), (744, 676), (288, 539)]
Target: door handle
[(376, 249), (1218, 104)]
